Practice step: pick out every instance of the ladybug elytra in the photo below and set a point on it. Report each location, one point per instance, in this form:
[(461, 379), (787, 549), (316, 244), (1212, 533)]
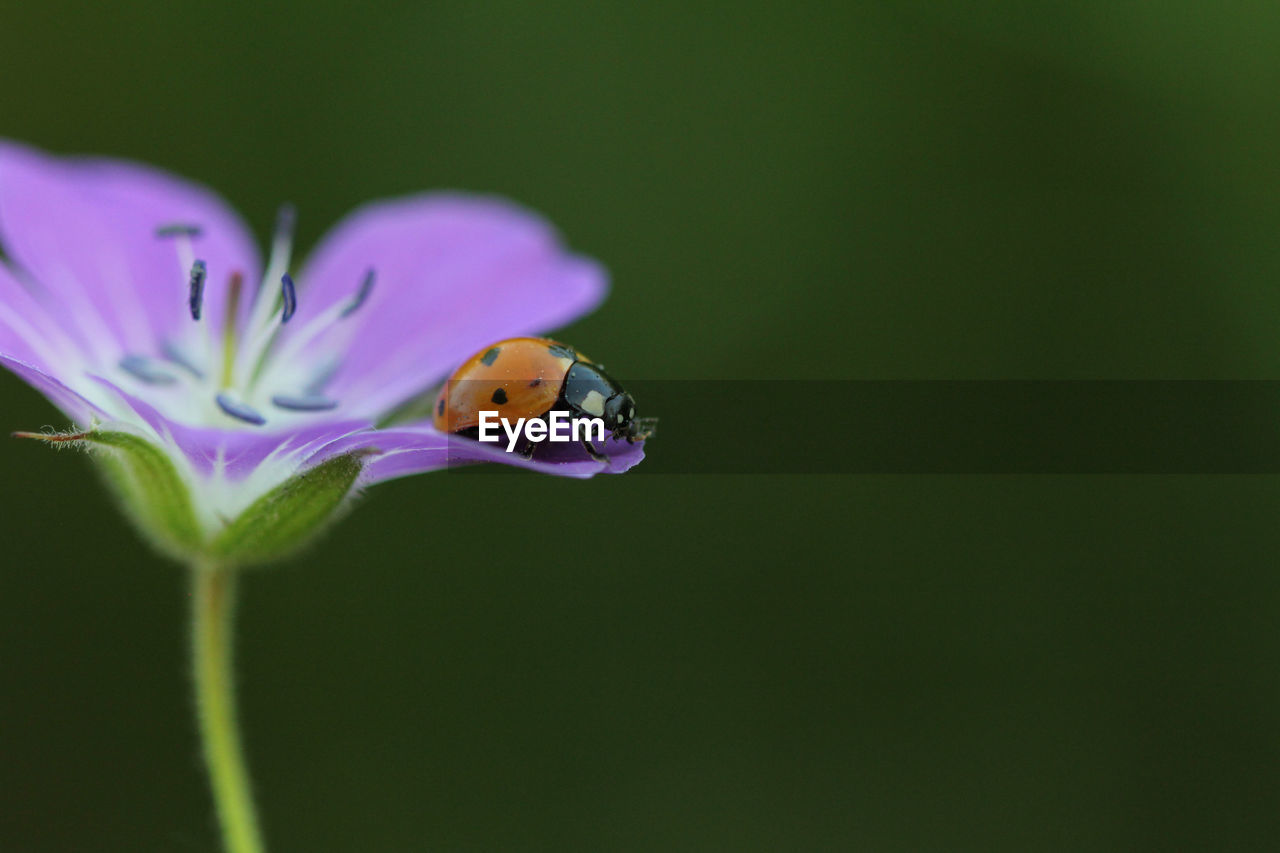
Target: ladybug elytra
[(530, 378)]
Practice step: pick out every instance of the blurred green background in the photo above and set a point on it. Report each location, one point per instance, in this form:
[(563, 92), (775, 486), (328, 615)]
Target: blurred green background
[(895, 189)]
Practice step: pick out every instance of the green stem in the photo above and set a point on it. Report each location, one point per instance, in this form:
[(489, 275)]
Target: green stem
[(213, 601)]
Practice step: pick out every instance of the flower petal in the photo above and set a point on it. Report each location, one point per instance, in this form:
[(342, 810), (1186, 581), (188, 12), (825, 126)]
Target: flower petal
[(28, 333), (453, 273), (85, 231), (422, 448), (72, 404)]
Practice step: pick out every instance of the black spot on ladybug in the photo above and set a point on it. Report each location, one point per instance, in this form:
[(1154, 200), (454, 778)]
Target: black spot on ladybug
[(562, 351), (499, 396), (440, 407), (536, 382), (490, 356)]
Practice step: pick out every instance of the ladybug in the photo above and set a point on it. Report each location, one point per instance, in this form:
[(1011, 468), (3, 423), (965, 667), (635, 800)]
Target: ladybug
[(530, 378)]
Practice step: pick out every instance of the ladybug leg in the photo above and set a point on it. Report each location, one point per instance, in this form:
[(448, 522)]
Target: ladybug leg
[(525, 448), (592, 452)]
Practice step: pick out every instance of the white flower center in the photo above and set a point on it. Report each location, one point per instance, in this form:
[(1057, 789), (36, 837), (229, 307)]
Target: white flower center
[(244, 372)]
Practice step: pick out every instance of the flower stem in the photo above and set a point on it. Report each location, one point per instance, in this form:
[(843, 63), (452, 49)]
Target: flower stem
[(213, 602)]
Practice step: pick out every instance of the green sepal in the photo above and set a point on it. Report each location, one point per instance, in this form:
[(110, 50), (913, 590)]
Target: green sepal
[(290, 515), (153, 494)]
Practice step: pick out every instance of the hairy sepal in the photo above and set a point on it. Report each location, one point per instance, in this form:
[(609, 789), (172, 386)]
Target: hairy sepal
[(159, 501), (153, 494), (290, 515)]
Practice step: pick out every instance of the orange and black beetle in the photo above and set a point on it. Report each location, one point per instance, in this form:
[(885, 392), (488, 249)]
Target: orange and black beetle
[(530, 378)]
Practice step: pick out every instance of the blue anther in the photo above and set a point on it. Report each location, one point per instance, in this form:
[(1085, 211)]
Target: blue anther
[(366, 287), (290, 295), (239, 410), (178, 229), (146, 369), (196, 299), (304, 403)]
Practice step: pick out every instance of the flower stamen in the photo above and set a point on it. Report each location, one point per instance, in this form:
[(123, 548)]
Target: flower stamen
[(179, 229), (366, 287), (277, 265), (301, 339), (261, 330), (289, 298), (182, 235), (195, 299), (246, 354), (304, 403), (147, 370), (237, 409), (229, 327)]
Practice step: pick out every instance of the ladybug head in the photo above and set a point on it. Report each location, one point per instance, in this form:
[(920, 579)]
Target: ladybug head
[(619, 410)]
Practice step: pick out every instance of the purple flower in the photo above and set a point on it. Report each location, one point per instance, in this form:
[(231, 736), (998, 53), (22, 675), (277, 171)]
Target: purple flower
[(138, 304)]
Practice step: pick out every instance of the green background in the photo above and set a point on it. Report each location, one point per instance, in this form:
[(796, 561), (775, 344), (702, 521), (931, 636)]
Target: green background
[(684, 662)]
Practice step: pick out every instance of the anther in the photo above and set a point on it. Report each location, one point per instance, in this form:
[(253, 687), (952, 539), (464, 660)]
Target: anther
[(196, 299), (304, 403), (179, 229), (316, 325), (146, 369), (290, 296), (261, 327), (239, 410), (366, 287)]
